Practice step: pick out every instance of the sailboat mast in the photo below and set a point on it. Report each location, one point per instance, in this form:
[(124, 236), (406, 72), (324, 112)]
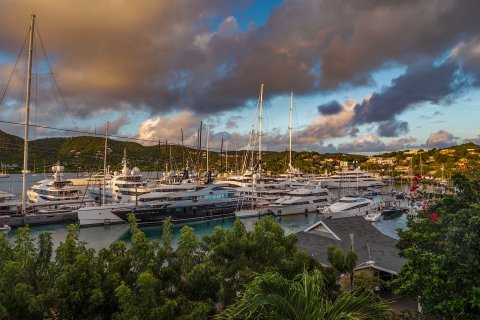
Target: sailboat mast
[(105, 163), (27, 116), (260, 118), (290, 130), (208, 142)]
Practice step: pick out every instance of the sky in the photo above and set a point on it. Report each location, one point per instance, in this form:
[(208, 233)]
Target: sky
[(366, 76)]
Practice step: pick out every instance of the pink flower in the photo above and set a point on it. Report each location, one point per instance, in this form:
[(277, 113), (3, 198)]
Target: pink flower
[(413, 188)]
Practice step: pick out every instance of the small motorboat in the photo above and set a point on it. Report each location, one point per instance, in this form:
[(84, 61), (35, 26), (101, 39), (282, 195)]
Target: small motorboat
[(373, 216), (391, 212), (5, 228)]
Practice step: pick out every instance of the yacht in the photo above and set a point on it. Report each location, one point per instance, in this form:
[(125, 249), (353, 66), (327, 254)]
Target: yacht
[(349, 207), (55, 191), (125, 186), (350, 179), (163, 191), (8, 203), (208, 202), (374, 216), (301, 200)]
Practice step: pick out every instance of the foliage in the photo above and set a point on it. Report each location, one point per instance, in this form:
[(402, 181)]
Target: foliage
[(342, 263), (145, 279), (271, 296), (441, 248)]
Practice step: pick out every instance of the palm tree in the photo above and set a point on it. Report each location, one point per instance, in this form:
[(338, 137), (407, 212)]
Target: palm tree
[(271, 296)]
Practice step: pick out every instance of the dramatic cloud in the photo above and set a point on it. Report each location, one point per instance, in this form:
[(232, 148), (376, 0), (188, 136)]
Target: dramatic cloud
[(170, 128), (392, 128), (424, 82), (441, 139), (372, 143), (330, 108), (169, 55)]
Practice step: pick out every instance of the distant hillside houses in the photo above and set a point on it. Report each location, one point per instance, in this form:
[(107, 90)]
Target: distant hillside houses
[(381, 160), (448, 152)]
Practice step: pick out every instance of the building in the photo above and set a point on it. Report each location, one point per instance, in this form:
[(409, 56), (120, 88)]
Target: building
[(377, 254)]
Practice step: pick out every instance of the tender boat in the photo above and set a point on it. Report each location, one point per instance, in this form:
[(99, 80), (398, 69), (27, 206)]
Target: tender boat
[(392, 212), (5, 228), (373, 216)]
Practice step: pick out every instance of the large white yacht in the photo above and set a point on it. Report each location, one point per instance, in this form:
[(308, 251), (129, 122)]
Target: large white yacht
[(125, 186), (301, 200), (349, 207), (208, 202), (350, 179), (55, 191)]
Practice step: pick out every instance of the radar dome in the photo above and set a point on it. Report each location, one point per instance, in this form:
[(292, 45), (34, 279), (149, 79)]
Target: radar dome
[(125, 171), (135, 171)]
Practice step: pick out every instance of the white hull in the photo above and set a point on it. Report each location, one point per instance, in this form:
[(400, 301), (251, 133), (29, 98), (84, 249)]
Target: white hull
[(248, 213), (293, 209), (373, 216), (98, 216)]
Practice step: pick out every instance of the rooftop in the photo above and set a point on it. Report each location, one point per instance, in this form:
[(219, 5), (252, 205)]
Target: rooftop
[(366, 237)]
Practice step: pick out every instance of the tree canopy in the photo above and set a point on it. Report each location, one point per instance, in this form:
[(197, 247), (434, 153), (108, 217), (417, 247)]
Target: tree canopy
[(443, 257)]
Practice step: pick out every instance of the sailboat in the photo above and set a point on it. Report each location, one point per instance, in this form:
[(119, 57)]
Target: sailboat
[(30, 215)]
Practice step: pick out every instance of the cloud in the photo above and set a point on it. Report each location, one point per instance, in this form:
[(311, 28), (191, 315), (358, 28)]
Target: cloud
[(330, 108), (168, 55), (169, 128), (441, 139), (423, 82), (231, 123), (372, 143), (392, 128)]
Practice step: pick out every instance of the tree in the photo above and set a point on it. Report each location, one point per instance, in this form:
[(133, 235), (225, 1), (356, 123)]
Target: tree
[(342, 263), (443, 259), (271, 296)]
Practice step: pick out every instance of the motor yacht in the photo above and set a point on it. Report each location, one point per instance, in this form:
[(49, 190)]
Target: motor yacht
[(125, 186), (350, 179), (349, 207), (210, 201), (301, 200), (56, 191)]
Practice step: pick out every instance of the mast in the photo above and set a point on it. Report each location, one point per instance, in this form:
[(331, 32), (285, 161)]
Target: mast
[(221, 162), (290, 130), (208, 138), (183, 151), (226, 157), (260, 118), (27, 116), (105, 162)]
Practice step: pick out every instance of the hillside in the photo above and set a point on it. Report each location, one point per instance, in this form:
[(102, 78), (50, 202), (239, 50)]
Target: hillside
[(85, 153)]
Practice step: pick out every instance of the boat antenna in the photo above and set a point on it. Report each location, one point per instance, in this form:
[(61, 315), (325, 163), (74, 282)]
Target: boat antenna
[(27, 117)]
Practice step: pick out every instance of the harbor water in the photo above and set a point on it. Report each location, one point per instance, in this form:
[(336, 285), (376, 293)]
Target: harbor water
[(101, 237)]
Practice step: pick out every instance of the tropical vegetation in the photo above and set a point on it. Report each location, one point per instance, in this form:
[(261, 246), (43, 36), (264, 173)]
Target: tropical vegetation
[(189, 278), (442, 250)]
